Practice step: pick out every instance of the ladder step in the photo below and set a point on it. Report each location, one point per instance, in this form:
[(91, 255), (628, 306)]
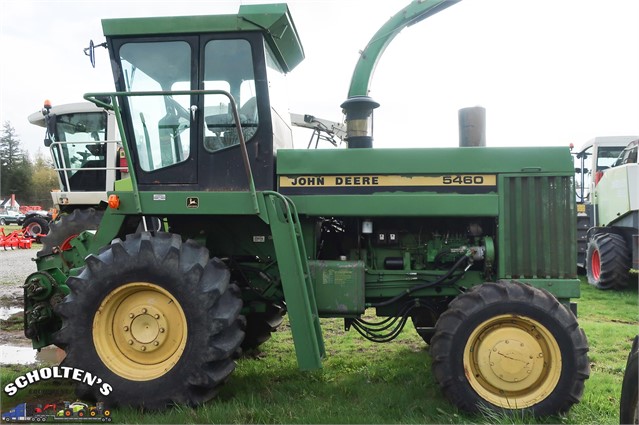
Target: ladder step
[(296, 281)]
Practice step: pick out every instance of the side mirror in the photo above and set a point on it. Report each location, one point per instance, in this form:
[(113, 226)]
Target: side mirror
[(90, 51)]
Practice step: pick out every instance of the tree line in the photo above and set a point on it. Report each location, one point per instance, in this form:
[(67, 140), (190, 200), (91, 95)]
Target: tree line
[(30, 180)]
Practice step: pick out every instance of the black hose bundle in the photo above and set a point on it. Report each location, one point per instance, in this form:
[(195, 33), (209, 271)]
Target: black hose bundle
[(463, 259), (379, 332)]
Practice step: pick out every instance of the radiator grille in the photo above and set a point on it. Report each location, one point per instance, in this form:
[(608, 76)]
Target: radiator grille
[(537, 228)]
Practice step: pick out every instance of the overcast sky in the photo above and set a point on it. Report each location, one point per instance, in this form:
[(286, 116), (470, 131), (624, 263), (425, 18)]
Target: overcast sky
[(548, 72)]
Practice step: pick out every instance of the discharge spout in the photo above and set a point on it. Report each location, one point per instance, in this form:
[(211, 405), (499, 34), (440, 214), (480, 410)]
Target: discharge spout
[(359, 106)]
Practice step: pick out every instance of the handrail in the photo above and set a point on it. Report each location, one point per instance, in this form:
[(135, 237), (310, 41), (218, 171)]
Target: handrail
[(94, 97), (58, 145)]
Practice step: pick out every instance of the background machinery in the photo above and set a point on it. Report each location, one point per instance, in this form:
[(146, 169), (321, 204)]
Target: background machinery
[(595, 156), (613, 238), (86, 151), (451, 239), (88, 158)]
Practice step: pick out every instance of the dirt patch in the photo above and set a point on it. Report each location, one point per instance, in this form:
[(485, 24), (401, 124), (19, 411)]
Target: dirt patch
[(14, 338)]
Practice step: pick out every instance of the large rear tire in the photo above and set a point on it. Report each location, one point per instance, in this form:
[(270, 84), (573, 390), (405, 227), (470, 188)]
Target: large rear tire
[(69, 225), (155, 319), (608, 262), (260, 326), (509, 346)]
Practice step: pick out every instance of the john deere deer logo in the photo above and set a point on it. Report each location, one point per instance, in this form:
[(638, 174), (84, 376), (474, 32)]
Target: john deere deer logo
[(192, 202)]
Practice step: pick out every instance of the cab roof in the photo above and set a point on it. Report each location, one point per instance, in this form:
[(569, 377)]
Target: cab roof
[(274, 21), (37, 118)]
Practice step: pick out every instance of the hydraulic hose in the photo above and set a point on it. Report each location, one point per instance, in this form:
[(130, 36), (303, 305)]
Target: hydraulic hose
[(439, 280)]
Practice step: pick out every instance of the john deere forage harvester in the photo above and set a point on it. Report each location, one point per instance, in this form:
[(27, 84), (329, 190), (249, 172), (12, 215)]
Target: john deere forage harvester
[(475, 246)]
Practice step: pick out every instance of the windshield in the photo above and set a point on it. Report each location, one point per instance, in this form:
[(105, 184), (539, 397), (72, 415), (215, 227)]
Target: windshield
[(75, 134), (606, 156)]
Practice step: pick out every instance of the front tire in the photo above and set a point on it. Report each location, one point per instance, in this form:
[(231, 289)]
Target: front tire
[(155, 319), (510, 346), (608, 262)]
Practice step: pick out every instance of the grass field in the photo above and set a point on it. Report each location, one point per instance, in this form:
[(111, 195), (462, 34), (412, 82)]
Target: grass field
[(363, 382)]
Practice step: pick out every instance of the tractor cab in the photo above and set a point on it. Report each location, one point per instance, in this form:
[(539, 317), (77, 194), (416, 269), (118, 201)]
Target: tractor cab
[(179, 81), (85, 148)]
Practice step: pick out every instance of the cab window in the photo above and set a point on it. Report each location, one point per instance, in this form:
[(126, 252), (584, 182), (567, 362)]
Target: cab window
[(228, 66), (161, 123)]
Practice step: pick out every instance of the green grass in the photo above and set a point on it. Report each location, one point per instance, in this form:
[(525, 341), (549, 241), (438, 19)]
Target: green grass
[(8, 228), (363, 382), (15, 322)]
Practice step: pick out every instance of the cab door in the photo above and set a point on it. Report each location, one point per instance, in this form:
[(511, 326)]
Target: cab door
[(160, 127), (227, 63)]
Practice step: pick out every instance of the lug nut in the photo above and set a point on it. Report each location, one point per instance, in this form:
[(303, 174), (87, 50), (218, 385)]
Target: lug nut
[(144, 311), (156, 343), (131, 315), (143, 348), (130, 342), (161, 330), (126, 328), (157, 316)]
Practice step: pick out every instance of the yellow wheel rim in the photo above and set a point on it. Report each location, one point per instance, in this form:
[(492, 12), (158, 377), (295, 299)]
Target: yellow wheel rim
[(139, 331), (512, 362)]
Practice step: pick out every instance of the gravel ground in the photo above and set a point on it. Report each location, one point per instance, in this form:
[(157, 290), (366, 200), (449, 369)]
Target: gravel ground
[(15, 266)]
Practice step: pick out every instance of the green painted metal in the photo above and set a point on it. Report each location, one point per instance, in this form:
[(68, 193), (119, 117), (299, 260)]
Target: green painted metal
[(40, 321), (425, 161), (124, 185), (537, 237), (160, 202), (272, 20), (296, 281), (110, 227), (339, 287), (382, 284), (560, 288), (398, 205), (411, 14)]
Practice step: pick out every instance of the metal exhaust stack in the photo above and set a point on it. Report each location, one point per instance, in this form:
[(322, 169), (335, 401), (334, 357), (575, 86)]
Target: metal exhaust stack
[(472, 127), (359, 121)]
